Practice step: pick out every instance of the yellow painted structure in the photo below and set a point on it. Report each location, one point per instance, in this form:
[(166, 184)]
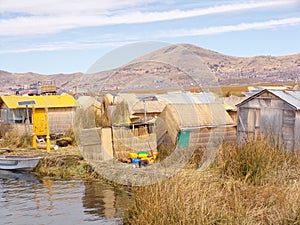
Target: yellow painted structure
[(40, 117), (40, 126), (48, 101), (40, 123)]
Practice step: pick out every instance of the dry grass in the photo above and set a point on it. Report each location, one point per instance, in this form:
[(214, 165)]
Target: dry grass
[(13, 140), (62, 167), (250, 184), (257, 163)]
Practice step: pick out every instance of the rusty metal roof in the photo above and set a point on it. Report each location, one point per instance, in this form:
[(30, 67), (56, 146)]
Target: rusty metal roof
[(48, 101)]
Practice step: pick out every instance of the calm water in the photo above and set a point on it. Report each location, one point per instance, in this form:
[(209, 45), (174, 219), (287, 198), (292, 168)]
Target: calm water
[(25, 199)]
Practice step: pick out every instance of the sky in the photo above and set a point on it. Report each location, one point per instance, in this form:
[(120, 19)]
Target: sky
[(67, 36)]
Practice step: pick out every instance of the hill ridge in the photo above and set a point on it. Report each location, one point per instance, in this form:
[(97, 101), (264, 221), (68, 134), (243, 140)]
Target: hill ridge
[(229, 70)]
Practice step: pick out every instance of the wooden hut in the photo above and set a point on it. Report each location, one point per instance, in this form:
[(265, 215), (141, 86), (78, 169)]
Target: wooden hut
[(272, 113), (17, 116)]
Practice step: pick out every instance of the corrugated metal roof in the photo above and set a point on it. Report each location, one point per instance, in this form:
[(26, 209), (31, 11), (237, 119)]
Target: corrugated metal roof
[(49, 101), (188, 98), (291, 97), (295, 94)]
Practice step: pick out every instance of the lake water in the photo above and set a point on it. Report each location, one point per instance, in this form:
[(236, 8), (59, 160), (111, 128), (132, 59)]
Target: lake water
[(25, 199)]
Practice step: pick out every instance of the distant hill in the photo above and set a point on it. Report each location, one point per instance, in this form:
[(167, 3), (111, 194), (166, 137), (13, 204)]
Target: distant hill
[(9, 81), (183, 65)]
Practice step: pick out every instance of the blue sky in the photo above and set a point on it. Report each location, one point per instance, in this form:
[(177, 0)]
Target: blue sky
[(66, 36)]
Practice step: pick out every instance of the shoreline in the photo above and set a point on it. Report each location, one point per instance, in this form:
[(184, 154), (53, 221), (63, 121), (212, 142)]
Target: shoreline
[(64, 163)]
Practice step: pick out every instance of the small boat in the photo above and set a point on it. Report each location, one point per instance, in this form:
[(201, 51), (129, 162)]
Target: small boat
[(15, 162)]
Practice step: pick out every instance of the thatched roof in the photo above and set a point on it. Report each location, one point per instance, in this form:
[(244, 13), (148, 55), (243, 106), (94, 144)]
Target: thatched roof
[(196, 115), (231, 102), (150, 107), (88, 101)]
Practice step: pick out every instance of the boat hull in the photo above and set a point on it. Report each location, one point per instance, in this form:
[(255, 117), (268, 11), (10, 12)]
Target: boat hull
[(19, 162)]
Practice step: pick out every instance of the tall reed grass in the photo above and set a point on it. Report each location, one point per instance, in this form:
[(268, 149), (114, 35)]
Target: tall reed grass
[(13, 140), (250, 184)]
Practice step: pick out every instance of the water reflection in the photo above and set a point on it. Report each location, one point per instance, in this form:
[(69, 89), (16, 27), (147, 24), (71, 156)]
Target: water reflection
[(26, 199), (18, 176), (103, 199)]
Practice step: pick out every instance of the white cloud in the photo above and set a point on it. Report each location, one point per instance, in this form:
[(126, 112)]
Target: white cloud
[(230, 28), (116, 41), (56, 46), (63, 7), (53, 16)]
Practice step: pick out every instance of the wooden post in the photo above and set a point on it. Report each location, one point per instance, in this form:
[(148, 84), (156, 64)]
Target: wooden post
[(48, 132), (33, 130), (145, 110)]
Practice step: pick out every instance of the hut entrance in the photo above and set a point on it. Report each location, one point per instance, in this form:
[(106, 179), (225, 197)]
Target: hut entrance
[(253, 122), (40, 123), (183, 139)]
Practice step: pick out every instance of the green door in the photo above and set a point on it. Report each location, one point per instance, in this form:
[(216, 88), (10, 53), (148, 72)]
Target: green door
[(183, 139)]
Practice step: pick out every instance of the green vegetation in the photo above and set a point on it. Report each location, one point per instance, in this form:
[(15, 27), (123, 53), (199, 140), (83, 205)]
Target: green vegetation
[(250, 184)]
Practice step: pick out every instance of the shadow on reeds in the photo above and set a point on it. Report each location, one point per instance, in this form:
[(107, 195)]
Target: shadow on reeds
[(254, 183)]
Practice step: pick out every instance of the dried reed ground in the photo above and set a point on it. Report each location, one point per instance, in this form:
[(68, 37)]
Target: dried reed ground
[(252, 184)]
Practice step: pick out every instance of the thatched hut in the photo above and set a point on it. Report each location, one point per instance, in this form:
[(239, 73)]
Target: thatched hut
[(131, 131), (194, 125), (273, 114)]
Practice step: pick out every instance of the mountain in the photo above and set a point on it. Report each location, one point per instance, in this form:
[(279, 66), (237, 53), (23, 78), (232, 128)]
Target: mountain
[(9, 82), (182, 65)]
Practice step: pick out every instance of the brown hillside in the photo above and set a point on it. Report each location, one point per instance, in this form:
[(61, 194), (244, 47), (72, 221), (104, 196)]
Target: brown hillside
[(181, 65)]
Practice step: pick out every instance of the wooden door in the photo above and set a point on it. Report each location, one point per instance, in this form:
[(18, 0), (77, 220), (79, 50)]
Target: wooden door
[(40, 121)]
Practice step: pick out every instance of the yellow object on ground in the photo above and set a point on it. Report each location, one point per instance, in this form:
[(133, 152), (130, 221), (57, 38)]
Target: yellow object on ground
[(154, 154), (133, 155), (149, 159)]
